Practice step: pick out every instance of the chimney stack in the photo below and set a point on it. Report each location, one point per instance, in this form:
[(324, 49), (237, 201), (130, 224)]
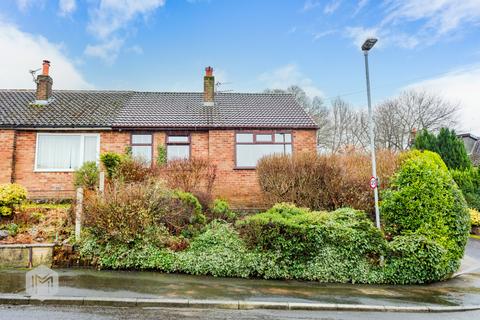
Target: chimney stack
[(44, 85), (208, 87)]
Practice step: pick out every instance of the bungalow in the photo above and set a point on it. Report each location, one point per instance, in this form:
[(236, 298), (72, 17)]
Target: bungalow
[(45, 134), (472, 145)]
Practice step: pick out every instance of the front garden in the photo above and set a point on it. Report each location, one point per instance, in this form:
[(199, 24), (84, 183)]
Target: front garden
[(319, 225), (145, 224)]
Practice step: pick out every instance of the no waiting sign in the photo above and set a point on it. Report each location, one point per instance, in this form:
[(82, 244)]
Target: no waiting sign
[(373, 183)]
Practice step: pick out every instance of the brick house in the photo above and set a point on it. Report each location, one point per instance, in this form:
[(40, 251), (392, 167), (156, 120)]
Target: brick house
[(46, 134)]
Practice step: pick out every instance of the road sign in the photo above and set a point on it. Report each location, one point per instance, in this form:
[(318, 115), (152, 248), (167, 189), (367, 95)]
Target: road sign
[(373, 183)]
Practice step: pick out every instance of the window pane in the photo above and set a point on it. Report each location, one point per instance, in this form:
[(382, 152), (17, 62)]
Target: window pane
[(178, 139), (244, 137), (288, 149), (279, 138), (248, 155), (178, 152), (142, 153), (141, 139), (264, 137), (58, 152), (288, 137), (90, 147)]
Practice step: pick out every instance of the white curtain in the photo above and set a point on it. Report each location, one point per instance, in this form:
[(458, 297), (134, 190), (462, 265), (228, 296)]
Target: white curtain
[(58, 151)]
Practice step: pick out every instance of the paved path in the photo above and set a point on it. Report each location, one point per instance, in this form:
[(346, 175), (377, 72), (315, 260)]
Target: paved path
[(471, 260), (106, 313)]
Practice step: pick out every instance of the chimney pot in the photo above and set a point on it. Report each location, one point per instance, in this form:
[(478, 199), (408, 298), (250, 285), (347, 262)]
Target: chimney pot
[(209, 71), (46, 67)]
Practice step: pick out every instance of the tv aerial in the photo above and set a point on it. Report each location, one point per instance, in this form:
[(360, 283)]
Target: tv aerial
[(218, 84), (34, 73)]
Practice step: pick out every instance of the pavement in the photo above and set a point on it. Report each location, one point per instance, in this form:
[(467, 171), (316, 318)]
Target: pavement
[(107, 313), (86, 287)]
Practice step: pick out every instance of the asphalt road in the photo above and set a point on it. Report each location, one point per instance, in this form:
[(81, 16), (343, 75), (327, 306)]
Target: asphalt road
[(104, 313)]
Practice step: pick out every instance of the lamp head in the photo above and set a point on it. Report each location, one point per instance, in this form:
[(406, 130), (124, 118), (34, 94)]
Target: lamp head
[(369, 43)]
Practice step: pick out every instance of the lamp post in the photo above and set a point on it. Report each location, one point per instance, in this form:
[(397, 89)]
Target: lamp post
[(367, 45)]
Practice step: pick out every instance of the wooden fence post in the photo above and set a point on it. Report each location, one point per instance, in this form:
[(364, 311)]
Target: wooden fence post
[(78, 213), (101, 183)]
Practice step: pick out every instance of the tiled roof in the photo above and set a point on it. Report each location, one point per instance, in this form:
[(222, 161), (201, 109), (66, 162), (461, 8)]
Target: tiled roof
[(127, 109), (68, 109)]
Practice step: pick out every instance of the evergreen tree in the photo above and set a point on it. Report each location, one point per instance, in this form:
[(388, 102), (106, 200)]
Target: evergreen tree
[(426, 141), (452, 150), (447, 145)]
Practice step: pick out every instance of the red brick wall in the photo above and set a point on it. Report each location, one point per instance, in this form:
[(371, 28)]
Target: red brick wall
[(55, 184), (6, 155), (239, 186)]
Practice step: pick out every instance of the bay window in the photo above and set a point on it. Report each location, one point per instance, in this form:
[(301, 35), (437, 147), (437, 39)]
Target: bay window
[(64, 151), (251, 146), (178, 147), (142, 147)]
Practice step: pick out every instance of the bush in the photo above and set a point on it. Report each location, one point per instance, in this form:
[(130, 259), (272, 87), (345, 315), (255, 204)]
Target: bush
[(474, 217), (425, 201), (130, 170), (415, 259), (323, 182), (219, 252), (125, 212), (194, 175), (221, 210), (110, 161), (299, 233), (87, 176), (469, 182), (11, 195)]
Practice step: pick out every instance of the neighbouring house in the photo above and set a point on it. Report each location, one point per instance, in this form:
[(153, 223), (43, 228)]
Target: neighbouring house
[(46, 134), (472, 145)]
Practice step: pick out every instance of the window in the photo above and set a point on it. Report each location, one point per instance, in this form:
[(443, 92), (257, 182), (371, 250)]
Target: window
[(178, 147), (250, 147), (142, 147), (65, 152)]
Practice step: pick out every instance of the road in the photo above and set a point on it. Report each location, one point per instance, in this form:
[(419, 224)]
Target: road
[(104, 313)]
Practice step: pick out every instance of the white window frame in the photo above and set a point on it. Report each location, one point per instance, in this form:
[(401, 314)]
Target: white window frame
[(81, 153)]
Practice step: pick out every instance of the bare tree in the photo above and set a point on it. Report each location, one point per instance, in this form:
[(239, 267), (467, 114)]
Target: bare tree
[(411, 110), (315, 108)]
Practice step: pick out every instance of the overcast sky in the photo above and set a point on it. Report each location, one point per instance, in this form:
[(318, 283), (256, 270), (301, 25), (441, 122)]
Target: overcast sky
[(164, 45)]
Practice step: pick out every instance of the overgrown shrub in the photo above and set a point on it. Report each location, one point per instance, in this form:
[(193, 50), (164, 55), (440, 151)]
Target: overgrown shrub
[(218, 251), (221, 210), (425, 201), (416, 258), (193, 175), (323, 182), (125, 212), (299, 233), (87, 176), (11, 195), (130, 170), (110, 161)]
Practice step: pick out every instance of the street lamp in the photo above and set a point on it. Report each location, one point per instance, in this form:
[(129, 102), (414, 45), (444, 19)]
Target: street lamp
[(367, 45)]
